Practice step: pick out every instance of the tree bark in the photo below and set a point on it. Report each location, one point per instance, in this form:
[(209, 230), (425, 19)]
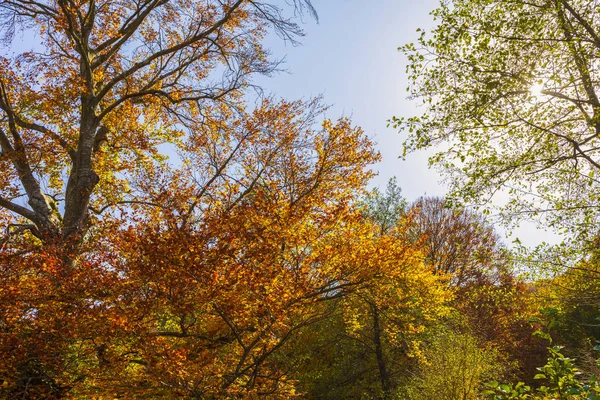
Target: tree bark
[(381, 364), (82, 178)]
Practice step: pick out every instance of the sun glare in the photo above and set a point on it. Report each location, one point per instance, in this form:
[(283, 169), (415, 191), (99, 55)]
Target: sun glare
[(536, 90)]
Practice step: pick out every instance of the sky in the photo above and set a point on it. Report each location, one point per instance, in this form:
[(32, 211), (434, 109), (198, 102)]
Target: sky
[(351, 57)]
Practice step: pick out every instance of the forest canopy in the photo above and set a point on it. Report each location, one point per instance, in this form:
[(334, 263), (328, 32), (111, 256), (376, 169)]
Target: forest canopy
[(170, 231)]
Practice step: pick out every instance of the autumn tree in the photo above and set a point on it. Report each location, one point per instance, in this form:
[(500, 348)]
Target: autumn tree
[(373, 336), (108, 83), (493, 303), (126, 274), (385, 321), (511, 89), (571, 309), (217, 287), (457, 242), (387, 318), (189, 291), (456, 365)]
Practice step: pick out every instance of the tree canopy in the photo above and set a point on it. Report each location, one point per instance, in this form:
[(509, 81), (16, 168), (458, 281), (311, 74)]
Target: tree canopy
[(84, 115), (168, 231), (511, 87)]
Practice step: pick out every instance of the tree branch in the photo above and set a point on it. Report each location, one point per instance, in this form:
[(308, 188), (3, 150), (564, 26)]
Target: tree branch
[(22, 211)]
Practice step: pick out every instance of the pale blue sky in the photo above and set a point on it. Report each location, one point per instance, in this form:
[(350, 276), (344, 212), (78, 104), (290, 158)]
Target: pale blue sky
[(351, 58)]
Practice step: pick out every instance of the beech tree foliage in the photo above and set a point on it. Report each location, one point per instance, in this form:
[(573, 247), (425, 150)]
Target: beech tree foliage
[(511, 87), (190, 290)]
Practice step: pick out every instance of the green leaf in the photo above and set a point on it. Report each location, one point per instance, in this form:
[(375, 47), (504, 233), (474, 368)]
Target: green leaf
[(492, 384), (504, 388)]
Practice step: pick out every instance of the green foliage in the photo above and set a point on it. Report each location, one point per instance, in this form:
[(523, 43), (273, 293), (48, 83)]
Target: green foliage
[(328, 364), (510, 88), (576, 307), (386, 208), (454, 368), (561, 381), (507, 391)]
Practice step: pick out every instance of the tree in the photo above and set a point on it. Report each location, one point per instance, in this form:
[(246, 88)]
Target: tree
[(192, 291), (496, 305), (373, 337), (455, 368), (456, 242), (571, 309), (511, 89), (388, 208), (107, 84), (388, 317)]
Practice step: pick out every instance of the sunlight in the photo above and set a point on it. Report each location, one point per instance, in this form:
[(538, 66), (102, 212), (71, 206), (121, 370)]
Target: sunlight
[(536, 90)]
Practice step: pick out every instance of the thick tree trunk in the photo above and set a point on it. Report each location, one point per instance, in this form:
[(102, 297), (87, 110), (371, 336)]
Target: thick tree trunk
[(82, 178)]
